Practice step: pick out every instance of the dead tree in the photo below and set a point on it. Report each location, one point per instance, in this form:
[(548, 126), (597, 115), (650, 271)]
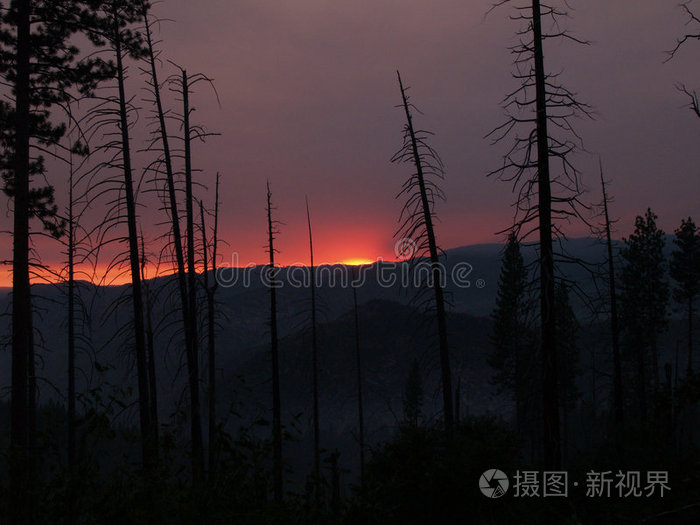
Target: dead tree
[(79, 261), (161, 135), (210, 292), (71, 328), (149, 452), (78, 253), (360, 406), (614, 326), (112, 117), (193, 356), (274, 354), (182, 85), (314, 366), (693, 20), (540, 113), (71, 503), (150, 347), (417, 216), (197, 448)]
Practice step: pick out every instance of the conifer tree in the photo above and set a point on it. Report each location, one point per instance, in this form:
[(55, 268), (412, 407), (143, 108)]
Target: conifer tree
[(44, 73), (643, 301), (513, 356), (685, 270)]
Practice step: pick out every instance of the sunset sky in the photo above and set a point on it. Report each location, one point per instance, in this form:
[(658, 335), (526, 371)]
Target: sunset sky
[(308, 93)]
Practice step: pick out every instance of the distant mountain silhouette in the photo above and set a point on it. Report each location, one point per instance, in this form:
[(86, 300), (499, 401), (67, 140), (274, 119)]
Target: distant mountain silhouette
[(393, 330)]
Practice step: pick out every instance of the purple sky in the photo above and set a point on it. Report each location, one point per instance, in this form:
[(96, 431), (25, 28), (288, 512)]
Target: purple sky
[(308, 93)]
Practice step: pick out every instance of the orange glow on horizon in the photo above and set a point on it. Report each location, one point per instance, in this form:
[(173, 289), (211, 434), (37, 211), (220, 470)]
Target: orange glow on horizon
[(356, 261), (122, 276), (102, 275)]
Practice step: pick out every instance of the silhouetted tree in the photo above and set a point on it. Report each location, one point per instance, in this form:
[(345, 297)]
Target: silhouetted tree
[(71, 331), (274, 354), (314, 365), (78, 252), (693, 20), (538, 110), (125, 42), (150, 346), (614, 324), (420, 192), (210, 292), (44, 73), (685, 270), (72, 420), (189, 325), (112, 117), (182, 85), (360, 407), (80, 263), (197, 446), (514, 352), (644, 299)]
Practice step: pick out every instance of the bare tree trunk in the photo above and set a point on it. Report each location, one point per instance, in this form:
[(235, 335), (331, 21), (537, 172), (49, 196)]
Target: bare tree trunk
[(193, 359), (274, 352), (211, 351), (211, 332), (314, 365), (71, 330), (360, 407), (448, 411), (31, 407), (71, 354), (614, 327), (21, 299), (173, 208), (550, 396), (152, 383), (147, 441)]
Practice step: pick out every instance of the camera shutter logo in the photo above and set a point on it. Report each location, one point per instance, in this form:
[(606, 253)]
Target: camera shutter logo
[(493, 483)]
